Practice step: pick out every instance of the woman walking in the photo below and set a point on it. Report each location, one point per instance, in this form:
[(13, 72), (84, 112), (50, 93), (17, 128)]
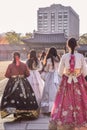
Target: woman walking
[(70, 105), (34, 79), (51, 80), (18, 97)]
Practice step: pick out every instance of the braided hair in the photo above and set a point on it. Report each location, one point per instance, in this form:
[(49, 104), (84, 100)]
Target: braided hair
[(72, 44)]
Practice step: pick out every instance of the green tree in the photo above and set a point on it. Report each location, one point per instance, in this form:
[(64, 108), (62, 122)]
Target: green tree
[(13, 37)]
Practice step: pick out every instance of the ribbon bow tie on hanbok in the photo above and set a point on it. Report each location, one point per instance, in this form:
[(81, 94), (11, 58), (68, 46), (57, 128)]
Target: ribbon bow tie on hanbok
[(71, 78)]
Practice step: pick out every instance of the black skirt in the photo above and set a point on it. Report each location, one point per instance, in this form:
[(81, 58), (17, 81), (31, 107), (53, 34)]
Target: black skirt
[(19, 98)]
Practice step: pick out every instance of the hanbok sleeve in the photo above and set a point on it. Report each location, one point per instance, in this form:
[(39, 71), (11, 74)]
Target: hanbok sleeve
[(84, 66), (61, 66), (8, 72)]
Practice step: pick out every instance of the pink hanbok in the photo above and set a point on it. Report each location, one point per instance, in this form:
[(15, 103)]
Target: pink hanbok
[(70, 105)]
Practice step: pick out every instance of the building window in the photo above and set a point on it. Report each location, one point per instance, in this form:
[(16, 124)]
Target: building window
[(60, 13), (59, 28), (65, 12), (60, 31), (64, 21), (52, 30), (65, 16), (40, 17), (52, 21), (45, 23), (40, 27), (52, 15), (40, 14), (40, 20), (40, 24), (45, 15), (59, 16), (52, 24)]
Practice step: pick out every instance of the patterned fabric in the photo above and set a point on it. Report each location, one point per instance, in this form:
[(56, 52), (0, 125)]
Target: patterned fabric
[(19, 98), (80, 63), (70, 106), (72, 63), (53, 126)]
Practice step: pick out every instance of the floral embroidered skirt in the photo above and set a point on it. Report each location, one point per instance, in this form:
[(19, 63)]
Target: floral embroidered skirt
[(70, 105), (19, 98)]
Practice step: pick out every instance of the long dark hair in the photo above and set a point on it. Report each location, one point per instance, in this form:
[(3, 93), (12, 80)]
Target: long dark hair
[(43, 55), (51, 54), (72, 43), (32, 60), (14, 55)]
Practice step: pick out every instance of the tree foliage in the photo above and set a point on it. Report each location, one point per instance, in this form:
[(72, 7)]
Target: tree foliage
[(13, 37), (83, 39)]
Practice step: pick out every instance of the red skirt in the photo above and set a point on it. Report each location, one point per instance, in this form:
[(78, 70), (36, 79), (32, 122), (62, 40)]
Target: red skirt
[(70, 106)]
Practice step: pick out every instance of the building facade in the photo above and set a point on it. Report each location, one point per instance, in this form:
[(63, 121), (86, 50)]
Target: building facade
[(58, 19)]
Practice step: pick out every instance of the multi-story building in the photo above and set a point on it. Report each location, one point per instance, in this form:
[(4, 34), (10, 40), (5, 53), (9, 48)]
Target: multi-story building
[(58, 19)]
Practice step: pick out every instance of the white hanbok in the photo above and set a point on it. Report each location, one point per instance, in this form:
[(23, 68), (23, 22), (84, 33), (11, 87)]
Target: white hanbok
[(52, 81), (37, 83)]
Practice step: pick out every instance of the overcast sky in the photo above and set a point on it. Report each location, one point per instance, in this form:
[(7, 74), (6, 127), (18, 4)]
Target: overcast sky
[(21, 15)]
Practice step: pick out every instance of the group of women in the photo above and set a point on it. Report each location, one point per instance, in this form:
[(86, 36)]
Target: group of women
[(52, 86), (26, 93)]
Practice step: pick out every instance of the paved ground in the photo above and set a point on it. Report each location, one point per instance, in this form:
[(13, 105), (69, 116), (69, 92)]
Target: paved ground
[(9, 123)]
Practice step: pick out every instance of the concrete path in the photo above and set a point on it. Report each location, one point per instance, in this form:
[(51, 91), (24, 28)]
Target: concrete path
[(10, 124)]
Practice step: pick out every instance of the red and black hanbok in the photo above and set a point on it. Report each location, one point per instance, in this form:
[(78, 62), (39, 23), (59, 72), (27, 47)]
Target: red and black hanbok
[(18, 97)]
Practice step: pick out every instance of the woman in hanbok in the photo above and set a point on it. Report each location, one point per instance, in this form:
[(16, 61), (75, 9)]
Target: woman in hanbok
[(35, 79), (51, 80), (70, 105), (18, 97)]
